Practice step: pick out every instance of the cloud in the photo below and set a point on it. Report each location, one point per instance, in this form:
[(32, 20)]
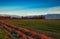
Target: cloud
[(27, 11), (54, 10)]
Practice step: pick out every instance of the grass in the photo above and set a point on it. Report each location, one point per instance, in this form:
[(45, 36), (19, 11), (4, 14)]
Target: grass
[(3, 34), (47, 27)]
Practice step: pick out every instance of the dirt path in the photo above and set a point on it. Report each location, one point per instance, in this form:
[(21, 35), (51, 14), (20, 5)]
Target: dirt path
[(22, 33)]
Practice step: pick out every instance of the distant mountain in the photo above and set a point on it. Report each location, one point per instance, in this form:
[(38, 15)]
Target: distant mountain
[(52, 16), (48, 16), (15, 16)]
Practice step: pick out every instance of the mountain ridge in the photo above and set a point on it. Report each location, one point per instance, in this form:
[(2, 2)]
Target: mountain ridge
[(47, 16)]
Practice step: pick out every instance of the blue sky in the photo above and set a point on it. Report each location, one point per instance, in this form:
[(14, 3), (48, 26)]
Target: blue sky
[(29, 7)]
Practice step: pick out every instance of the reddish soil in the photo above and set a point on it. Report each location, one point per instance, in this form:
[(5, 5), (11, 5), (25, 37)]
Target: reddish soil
[(22, 33)]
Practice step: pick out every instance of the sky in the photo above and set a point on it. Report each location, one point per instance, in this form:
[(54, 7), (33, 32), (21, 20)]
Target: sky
[(29, 7)]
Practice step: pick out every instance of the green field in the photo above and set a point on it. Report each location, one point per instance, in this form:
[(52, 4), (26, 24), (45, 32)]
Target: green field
[(47, 27)]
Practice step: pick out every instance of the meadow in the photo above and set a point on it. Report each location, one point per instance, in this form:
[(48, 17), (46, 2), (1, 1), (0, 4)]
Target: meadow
[(48, 27)]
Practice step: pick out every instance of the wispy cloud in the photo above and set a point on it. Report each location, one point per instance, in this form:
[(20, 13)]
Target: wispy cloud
[(26, 11), (54, 10)]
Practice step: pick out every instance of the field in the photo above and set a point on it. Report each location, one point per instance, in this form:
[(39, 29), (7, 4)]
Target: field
[(48, 27)]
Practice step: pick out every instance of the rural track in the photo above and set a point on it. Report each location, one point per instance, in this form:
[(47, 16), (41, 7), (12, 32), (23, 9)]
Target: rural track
[(22, 33)]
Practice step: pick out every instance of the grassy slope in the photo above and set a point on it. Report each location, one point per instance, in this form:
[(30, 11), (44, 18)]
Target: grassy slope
[(3, 34), (48, 27)]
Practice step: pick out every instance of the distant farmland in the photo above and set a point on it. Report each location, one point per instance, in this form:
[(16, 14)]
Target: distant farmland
[(47, 27)]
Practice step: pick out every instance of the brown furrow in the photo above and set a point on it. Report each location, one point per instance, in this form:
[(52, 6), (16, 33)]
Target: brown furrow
[(18, 32), (27, 32)]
